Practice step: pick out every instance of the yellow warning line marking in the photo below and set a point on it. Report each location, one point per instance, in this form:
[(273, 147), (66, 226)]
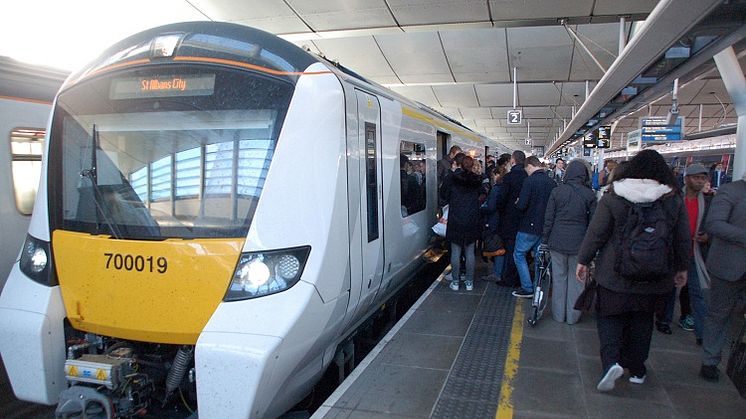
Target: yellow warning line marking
[(505, 407)]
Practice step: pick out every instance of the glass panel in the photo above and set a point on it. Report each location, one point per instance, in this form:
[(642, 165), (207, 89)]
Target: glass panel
[(412, 171), (371, 179), (167, 167), (26, 145)]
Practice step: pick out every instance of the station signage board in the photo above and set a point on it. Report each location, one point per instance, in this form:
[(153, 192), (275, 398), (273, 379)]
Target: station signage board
[(633, 141), (515, 116), (603, 136), (590, 140), (656, 129)]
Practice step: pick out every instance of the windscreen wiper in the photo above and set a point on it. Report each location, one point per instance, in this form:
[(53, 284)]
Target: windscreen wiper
[(98, 196)]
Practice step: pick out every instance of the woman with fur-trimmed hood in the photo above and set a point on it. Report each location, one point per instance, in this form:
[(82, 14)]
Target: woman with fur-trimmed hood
[(626, 305)]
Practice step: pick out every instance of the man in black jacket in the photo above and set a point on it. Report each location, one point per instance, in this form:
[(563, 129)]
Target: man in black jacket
[(533, 204), (509, 214)]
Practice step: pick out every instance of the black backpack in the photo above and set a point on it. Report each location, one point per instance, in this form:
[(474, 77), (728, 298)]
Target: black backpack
[(644, 251)]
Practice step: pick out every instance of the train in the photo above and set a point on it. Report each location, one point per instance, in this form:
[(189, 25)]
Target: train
[(26, 94), (219, 210)]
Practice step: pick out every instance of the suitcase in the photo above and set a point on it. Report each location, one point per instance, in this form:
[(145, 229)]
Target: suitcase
[(736, 368)]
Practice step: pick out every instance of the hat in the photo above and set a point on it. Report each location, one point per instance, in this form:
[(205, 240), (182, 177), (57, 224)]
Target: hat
[(695, 169)]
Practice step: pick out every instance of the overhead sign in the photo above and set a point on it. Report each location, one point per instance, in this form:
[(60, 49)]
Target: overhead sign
[(633, 141), (603, 136), (515, 116), (657, 129), (590, 140)]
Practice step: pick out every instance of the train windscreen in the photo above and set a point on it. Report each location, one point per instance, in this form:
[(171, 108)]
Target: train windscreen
[(156, 154)]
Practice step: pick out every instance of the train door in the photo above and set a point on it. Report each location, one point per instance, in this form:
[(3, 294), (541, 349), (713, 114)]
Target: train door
[(371, 198)]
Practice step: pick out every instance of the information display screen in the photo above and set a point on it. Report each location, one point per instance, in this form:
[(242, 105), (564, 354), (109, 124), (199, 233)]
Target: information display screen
[(162, 86)]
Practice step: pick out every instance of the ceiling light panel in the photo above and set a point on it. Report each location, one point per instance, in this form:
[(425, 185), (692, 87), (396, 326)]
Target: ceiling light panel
[(537, 94), (271, 16), (477, 55), (423, 94), (347, 52), (616, 7), (535, 9), (459, 95), (540, 53), (328, 15), (603, 41), (419, 12), (416, 57), (495, 94)]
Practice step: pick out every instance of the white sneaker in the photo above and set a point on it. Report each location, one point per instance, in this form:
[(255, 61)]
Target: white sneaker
[(454, 285), (608, 381), (469, 287), (637, 380)]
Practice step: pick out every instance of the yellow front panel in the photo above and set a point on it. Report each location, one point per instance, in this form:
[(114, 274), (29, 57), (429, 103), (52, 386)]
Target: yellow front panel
[(150, 291)]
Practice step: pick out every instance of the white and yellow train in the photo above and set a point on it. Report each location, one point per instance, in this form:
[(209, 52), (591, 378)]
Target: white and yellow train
[(218, 211)]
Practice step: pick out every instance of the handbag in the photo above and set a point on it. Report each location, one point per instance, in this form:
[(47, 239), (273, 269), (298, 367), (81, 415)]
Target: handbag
[(587, 299), (492, 244), (441, 226)]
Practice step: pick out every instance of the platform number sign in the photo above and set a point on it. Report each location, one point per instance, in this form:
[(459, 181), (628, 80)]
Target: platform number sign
[(528, 141), (515, 116)]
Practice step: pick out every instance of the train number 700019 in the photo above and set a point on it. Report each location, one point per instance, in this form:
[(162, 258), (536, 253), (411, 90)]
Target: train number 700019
[(137, 263)]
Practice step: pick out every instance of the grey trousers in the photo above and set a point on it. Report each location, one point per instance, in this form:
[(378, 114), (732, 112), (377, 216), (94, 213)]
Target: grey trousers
[(565, 288), (723, 297)]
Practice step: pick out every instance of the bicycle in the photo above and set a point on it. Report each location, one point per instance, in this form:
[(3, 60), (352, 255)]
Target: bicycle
[(542, 285)]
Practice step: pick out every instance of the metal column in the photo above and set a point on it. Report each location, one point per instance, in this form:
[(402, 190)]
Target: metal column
[(730, 71)]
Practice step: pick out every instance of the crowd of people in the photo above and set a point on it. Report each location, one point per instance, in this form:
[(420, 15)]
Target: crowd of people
[(647, 234)]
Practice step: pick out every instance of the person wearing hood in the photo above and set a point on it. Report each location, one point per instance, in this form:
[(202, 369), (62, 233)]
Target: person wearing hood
[(625, 305), (569, 210), (462, 195)]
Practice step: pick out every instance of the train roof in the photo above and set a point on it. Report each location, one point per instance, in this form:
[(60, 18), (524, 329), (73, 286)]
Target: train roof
[(27, 81)]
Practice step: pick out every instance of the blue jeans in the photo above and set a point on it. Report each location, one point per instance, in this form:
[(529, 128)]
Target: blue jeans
[(456, 262), (499, 265), (696, 300), (524, 242)]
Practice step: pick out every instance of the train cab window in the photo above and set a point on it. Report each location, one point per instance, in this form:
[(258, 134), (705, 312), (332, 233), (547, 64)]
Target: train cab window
[(26, 146), (412, 170)]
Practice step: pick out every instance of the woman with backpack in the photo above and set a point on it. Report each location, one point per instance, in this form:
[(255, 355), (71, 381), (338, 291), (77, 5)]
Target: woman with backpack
[(639, 237), (569, 210)]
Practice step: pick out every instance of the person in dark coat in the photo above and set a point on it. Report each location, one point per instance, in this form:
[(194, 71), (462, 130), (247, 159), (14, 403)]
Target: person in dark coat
[(532, 202), (726, 264), (462, 195), (510, 215), (626, 306), (491, 214), (569, 210), (444, 170)]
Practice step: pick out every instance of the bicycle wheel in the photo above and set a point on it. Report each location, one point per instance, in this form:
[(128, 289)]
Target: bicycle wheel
[(542, 286)]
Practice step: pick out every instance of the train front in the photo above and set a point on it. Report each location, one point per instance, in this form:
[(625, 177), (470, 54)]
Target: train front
[(158, 156)]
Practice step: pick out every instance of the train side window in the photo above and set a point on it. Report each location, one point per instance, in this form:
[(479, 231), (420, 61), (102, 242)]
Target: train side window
[(26, 148), (412, 170), (371, 179)]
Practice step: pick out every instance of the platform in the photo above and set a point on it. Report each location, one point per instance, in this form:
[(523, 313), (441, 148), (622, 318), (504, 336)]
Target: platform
[(447, 357)]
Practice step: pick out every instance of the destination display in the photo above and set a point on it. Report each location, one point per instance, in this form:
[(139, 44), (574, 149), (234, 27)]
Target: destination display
[(603, 136), (162, 86), (657, 129)]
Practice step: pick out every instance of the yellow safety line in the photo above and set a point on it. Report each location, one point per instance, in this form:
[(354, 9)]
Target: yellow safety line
[(505, 407)]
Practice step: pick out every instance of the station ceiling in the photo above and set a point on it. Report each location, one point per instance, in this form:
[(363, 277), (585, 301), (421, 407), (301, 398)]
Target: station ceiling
[(457, 56)]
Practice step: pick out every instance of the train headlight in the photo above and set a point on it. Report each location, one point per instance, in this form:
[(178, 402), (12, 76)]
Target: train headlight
[(35, 261), (267, 272)]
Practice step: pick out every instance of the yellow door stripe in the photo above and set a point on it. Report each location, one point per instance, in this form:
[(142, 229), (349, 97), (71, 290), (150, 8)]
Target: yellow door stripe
[(505, 407)]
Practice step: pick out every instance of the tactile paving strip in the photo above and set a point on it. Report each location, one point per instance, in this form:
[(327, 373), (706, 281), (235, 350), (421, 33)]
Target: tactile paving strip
[(472, 389)]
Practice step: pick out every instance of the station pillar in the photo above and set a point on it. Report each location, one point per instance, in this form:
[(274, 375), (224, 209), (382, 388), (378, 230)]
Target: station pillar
[(732, 75)]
